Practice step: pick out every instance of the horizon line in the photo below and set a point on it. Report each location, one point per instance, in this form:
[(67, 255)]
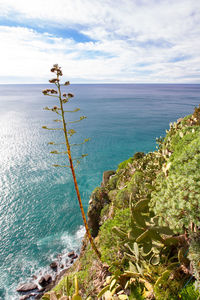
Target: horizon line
[(103, 83)]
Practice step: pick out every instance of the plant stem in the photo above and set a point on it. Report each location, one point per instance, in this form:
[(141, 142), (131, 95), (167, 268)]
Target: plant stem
[(74, 177)]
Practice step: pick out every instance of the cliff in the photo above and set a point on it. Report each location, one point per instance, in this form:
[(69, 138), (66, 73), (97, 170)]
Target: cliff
[(145, 218)]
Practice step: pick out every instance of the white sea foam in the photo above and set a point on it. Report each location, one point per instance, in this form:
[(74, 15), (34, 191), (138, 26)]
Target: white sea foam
[(68, 242), (65, 239)]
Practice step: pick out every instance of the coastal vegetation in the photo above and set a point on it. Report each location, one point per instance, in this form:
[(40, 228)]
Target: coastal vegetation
[(145, 219)]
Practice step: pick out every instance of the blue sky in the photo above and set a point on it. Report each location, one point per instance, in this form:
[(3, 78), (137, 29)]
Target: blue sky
[(100, 41)]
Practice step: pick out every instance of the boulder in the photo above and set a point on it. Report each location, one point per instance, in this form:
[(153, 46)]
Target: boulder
[(41, 290), (71, 254), (45, 280), (54, 266), (106, 176), (26, 287), (75, 256)]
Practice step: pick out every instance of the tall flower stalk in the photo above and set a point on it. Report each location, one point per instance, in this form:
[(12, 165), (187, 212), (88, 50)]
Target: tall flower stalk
[(64, 98)]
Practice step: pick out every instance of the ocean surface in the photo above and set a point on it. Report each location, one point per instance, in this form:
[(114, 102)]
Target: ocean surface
[(39, 214)]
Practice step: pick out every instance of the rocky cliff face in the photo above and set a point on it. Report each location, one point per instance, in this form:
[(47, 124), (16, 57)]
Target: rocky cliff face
[(98, 200)]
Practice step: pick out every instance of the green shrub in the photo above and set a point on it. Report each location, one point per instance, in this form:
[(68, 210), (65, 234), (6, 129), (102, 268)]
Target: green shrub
[(123, 164), (112, 182), (177, 197), (122, 198), (189, 293), (169, 290), (109, 241), (182, 138)]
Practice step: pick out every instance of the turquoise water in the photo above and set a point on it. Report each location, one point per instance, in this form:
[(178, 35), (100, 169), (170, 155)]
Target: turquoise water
[(39, 215)]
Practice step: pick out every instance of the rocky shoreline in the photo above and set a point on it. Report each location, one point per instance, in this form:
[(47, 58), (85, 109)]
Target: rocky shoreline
[(44, 283)]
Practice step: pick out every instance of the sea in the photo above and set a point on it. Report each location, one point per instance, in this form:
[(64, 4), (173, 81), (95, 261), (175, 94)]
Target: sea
[(39, 214)]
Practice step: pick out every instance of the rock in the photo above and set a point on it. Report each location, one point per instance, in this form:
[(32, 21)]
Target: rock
[(48, 278), (71, 254), (99, 199), (54, 266), (106, 176), (75, 256), (26, 287), (41, 290), (25, 297), (45, 280)]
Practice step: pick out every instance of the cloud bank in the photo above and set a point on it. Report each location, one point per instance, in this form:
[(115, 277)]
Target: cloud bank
[(133, 41)]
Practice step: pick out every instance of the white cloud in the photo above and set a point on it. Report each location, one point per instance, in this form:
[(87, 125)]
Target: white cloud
[(136, 41)]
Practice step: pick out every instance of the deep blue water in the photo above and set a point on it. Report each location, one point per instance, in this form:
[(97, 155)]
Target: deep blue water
[(39, 214)]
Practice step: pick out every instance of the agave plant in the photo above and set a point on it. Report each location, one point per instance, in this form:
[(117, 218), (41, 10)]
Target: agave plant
[(63, 98)]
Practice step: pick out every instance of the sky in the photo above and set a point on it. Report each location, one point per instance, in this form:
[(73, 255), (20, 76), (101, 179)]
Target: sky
[(100, 41)]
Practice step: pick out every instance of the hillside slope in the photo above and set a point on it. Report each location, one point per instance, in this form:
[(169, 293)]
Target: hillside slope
[(145, 219)]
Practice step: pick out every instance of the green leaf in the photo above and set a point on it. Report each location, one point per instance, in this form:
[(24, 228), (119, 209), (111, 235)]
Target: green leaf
[(132, 267), (113, 283), (142, 236), (106, 288), (140, 270), (173, 266), (119, 232), (146, 249), (155, 235), (138, 218), (155, 260), (131, 274), (136, 250), (171, 241), (162, 278), (129, 256), (129, 248), (140, 205), (123, 297), (164, 230)]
